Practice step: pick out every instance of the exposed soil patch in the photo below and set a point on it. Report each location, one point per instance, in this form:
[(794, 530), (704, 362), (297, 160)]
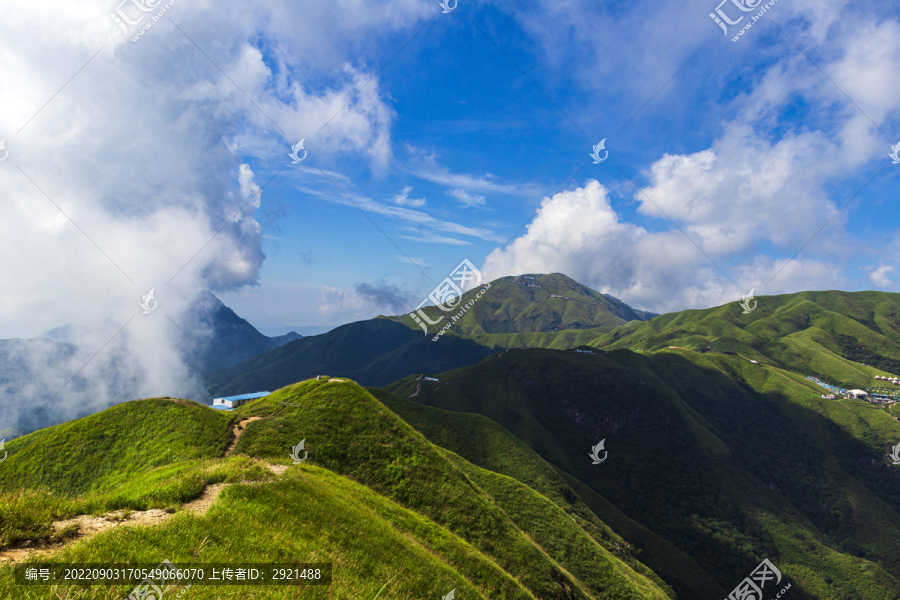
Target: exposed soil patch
[(237, 430), (88, 526), (418, 386), (183, 402), (277, 469), (202, 504)]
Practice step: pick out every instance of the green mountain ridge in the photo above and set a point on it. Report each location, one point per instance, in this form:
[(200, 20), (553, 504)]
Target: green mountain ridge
[(501, 452), (374, 352), (826, 334), (387, 508), (843, 338), (726, 461)]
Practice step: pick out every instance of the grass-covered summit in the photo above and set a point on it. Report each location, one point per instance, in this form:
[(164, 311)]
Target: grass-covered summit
[(533, 303)]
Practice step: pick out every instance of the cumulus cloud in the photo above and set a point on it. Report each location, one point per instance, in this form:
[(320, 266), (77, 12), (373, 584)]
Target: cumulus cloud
[(579, 234), (760, 192), (744, 190), (880, 276)]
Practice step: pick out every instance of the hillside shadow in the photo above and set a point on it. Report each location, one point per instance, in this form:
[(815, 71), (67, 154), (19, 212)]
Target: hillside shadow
[(666, 421)]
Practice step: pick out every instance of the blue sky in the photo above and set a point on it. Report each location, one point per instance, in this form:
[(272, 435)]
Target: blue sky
[(434, 138), (477, 143)]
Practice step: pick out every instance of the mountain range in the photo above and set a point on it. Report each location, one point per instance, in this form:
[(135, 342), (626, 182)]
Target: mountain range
[(829, 334), (381, 350), (553, 443)]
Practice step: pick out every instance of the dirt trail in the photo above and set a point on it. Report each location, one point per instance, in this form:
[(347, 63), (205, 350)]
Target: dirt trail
[(237, 431), (89, 525)]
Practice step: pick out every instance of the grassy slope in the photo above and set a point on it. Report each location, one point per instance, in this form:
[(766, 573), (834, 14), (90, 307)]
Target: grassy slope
[(94, 453), (801, 332), (358, 437), (562, 537), (500, 451), (310, 515), (847, 438), (719, 508), (375, 498)]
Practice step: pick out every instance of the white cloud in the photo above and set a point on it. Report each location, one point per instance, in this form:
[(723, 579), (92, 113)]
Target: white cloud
[(880, 276), (403, 199), (466, 198), (434, 238), (345, 305), (426, 167), (579, 234), (745, 189), (406, 216)]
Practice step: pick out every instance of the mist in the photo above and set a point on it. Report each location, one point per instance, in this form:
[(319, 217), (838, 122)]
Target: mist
[(129, 171)]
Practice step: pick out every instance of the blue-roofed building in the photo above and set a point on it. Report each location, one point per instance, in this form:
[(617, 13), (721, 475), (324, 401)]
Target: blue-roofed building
[(232, 402)]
